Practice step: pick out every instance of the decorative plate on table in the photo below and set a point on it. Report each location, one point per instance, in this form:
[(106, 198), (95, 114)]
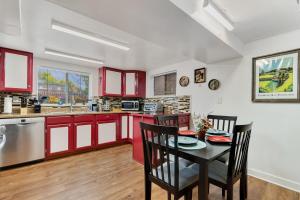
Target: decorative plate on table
[(216, 132), (187, 132), (219, 139), (198, 145), (184, 140)]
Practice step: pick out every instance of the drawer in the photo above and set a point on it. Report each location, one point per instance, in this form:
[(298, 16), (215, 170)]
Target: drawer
[(59, 120), (107, 117), (84, 118)]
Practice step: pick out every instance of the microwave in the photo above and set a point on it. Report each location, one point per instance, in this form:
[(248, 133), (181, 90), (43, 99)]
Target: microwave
[(130, 105)]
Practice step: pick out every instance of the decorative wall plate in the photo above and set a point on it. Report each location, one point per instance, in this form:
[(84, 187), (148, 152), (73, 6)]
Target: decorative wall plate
[(214, 84), (184, 81)]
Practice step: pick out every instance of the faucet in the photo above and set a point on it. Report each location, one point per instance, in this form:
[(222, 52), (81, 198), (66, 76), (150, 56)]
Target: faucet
[(72, 102)]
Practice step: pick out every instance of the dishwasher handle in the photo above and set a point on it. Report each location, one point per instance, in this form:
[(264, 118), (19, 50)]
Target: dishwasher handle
[(24, 124), (2, 138)]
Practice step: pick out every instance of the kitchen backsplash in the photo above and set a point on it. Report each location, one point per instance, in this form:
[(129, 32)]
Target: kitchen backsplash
[(173, 105)]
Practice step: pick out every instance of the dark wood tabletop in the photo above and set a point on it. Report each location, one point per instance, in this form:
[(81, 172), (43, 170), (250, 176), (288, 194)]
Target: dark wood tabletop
[(208, 154)]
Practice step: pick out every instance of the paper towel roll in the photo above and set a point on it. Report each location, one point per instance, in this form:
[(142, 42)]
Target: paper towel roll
[(7, 105)]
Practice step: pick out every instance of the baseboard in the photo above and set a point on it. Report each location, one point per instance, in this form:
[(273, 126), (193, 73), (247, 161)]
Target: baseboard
[(286, 183)]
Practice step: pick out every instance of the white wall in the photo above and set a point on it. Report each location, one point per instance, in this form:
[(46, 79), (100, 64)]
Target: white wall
[(93, 72), (275, 143), (203, 99)]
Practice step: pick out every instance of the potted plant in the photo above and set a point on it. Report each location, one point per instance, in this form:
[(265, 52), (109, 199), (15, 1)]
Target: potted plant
[(201, 125)]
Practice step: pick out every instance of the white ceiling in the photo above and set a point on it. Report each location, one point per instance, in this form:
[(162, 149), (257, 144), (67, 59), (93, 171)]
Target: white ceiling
[(258, 19), (10, 17), (159, 32)]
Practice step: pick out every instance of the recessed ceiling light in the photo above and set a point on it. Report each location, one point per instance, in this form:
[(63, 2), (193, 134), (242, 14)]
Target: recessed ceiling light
[(55, 25), (72, 56), (215, 12)]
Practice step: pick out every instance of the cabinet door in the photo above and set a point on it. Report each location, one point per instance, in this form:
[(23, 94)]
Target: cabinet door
[(59, 139), (130, 84), (137, 137), (83, 135), (16, 67), (107, 132), (141, 84), (124, 134), (113, 82), (130, 135)]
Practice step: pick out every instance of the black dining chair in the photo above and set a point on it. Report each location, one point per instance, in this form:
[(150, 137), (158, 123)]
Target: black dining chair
[(169, 175), (167, 120), (224, 123), (171, 120), (225, 176)]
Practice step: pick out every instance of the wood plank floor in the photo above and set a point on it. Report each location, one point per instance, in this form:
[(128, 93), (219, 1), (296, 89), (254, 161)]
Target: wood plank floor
[(108, 174)]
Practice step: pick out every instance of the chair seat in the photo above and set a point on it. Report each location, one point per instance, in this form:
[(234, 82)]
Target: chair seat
[(183, 161), (216, 171), (224, 158), (187, 176)]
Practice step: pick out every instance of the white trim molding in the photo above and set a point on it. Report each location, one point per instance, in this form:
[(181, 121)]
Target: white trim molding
[(283, 182)]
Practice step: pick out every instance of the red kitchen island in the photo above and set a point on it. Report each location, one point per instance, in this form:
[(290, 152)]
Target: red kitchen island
[(184, 124)]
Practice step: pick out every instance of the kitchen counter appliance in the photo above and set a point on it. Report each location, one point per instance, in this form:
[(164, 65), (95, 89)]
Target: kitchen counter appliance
[(21, 140), (153, 107), (130, 105)]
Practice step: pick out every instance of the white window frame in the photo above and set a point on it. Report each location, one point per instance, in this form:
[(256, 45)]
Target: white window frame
[(161, 74), (66, 71)]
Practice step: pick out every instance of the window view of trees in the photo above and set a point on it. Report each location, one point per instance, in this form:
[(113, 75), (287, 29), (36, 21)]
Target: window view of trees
[(62, 86)]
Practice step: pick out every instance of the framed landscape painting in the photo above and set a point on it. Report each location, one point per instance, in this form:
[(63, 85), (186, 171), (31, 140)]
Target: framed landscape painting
[(276, 77)]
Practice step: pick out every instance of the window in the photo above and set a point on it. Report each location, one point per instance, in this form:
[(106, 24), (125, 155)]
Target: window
[(61, 86), (165, 84)]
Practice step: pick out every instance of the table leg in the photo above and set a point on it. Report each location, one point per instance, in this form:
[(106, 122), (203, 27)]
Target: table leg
[(203, 182)]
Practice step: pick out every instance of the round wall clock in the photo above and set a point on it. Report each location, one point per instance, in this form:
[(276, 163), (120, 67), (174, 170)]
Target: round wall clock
[(184, 81), (214, 84)]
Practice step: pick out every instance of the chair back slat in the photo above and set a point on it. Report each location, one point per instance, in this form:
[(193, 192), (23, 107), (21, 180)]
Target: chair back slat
[(167, 120), (219, 122), (239, 150), (157, 154)]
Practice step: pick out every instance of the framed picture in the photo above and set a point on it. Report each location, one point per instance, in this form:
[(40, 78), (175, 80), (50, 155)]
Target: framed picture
[(200, 75), (275, 78)]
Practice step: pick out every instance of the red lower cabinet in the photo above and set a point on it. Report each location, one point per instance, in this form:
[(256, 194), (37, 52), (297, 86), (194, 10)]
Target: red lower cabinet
[(70, 134), (107, 129), (84, 135), (59, 139), (138, 152), (124, 127), (84, 132)]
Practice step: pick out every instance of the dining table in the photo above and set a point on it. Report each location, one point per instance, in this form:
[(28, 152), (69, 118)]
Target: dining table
[(203, 157)]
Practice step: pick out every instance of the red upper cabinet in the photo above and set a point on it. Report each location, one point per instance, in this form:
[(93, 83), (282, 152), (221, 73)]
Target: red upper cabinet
[(120, 83), (16, 70), (141, 84), (134, 83), (110, 81)]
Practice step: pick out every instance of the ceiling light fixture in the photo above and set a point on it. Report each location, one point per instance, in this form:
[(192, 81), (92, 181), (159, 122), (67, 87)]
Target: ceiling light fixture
[(215, 12), (55, 25), (72, 56)]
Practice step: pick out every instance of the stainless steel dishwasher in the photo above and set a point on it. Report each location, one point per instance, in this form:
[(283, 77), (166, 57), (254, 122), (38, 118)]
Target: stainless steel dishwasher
[(21, 140)]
